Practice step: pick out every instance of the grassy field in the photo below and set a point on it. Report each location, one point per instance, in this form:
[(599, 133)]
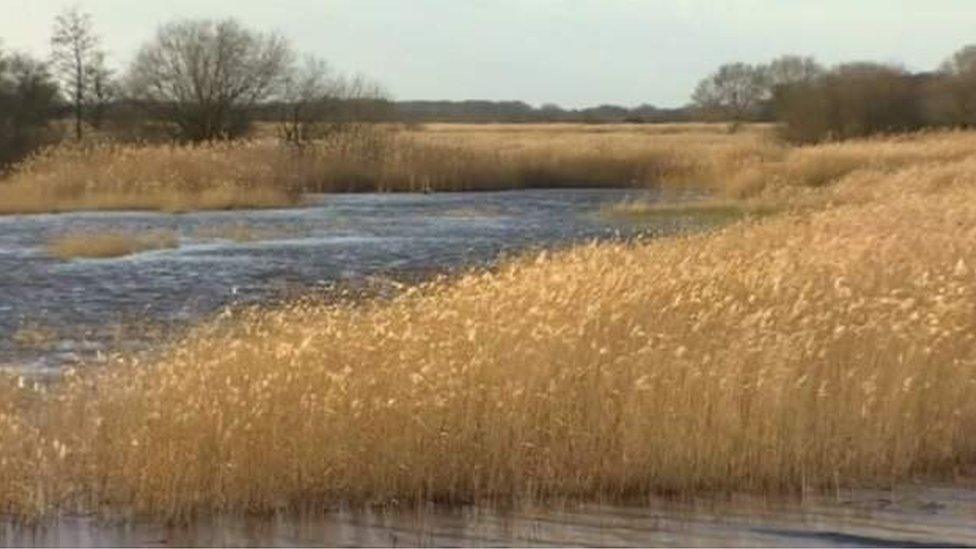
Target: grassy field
[(831, 344)]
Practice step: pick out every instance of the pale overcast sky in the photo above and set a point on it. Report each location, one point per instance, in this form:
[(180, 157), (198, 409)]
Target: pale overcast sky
[(572, 52)]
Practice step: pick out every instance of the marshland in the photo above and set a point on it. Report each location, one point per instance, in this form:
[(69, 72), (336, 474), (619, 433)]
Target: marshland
[(355, 324)]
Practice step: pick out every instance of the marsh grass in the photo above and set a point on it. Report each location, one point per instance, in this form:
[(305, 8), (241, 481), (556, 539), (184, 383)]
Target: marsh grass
[(26, 200), (149, 177), (242, 232), (827, 346), (109, 244), (703, 212), (262, 173), (34, 336)]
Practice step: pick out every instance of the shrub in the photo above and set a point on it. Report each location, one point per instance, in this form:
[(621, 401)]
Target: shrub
[(27, 102), (854, 100)]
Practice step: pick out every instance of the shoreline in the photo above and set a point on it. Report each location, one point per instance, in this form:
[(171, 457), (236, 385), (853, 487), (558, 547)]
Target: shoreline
[(926, 515)]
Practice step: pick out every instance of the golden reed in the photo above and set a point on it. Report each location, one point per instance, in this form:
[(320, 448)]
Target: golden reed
[(833, 344)]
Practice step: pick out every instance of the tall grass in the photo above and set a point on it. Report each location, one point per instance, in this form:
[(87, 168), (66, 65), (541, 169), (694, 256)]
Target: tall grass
[(835, 346)]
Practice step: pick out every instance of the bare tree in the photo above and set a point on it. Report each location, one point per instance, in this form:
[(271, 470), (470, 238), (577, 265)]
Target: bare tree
[(362, 100), (316, 103), (309, 93), (74, 47), (733, 93), (790, 69), (102, 90), (205, 76), (783, 76)]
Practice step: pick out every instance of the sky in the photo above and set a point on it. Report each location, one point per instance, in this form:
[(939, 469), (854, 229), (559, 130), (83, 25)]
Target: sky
[(571, 52)]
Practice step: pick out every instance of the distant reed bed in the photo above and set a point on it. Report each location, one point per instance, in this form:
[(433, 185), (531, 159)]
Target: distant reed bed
[(832, 346), (109, 244), (264, 173)]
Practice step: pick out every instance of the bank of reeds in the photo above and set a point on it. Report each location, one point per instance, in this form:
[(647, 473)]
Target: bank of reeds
[(109, 244), (150, 177), (264, 173), (830, 347), (702, 211)]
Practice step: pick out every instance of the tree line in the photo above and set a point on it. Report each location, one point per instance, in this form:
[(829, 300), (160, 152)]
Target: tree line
[(202, 80), (195, 80), (814, 103), (481, 111)]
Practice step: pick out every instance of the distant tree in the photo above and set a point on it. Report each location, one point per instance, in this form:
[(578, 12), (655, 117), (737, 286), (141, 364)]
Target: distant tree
[(790, 69), (645, 113), (206, 76), (551, 112), (605, 113), (361, 99), (315, 102), (951, 98), (103, 90), (733, 93), (28, 97), (852, 100), (307, 93), (508, 111), (961, 62), (74, 51)]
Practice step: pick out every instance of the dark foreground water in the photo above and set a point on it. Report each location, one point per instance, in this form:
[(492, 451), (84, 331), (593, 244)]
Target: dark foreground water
[(917, 517), (55, 313)]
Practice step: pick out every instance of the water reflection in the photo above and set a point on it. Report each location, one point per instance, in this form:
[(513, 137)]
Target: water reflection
[(913, 517)]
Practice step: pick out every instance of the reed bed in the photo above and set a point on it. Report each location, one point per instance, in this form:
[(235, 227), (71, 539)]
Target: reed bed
[(799, 170), (109, 244), (833, 346), (703, 211), (145, 177), (552, 155), (264, 173)]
